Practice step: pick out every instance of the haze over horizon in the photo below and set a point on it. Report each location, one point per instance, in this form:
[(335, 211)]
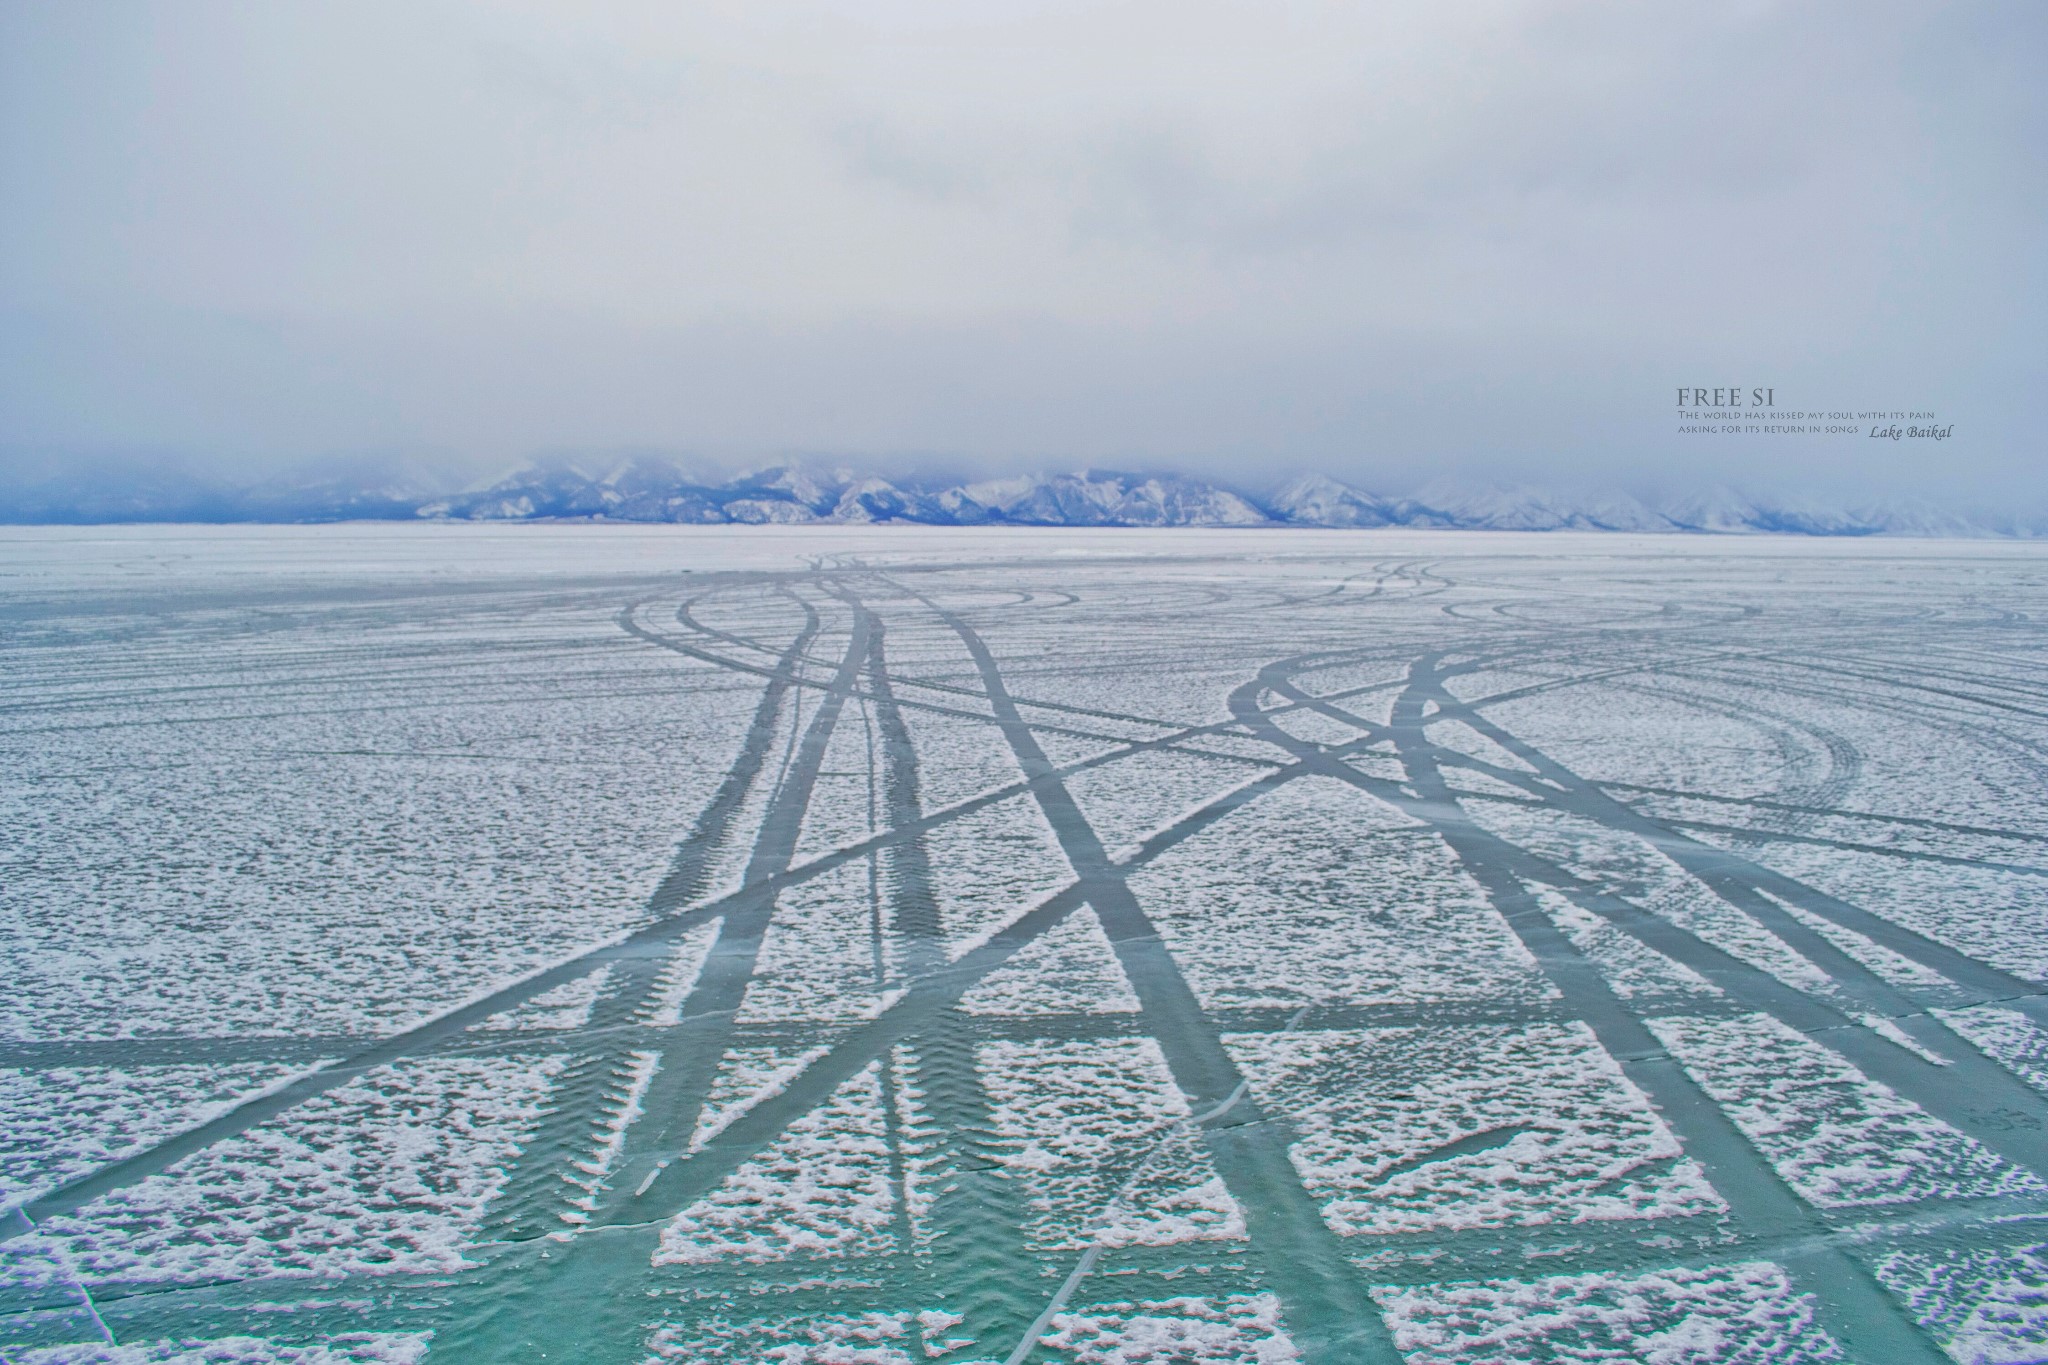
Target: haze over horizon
[(1488, 241)]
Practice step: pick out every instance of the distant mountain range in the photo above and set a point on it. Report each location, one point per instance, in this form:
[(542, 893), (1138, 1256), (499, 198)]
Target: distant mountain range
[(651, 489)]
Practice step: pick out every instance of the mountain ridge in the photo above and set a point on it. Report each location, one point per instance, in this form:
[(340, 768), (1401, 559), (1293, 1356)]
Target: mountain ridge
[(646, 488)]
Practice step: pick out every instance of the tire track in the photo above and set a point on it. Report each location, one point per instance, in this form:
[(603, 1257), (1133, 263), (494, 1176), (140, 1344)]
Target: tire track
[(1853, 1308), (977, 1217), (1969, 1092), (538, 1183), (677, 1097), (1327, 1310)]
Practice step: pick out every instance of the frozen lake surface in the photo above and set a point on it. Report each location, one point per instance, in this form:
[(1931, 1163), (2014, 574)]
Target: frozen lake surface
[(874, 946)]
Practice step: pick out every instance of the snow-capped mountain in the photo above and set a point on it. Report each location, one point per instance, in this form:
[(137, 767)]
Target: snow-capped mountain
[(1517, 507), (1317, 500), (1094, 498), (648, 488)]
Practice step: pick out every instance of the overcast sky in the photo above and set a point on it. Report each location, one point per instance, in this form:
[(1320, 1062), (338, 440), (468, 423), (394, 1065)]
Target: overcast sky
[(1376, 239)]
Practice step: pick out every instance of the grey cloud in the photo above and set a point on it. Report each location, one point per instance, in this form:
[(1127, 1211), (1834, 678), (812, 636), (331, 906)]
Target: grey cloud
[(1377, 240)]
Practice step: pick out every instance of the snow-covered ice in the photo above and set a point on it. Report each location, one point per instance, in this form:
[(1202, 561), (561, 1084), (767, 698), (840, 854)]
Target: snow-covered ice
[(562, 942)]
